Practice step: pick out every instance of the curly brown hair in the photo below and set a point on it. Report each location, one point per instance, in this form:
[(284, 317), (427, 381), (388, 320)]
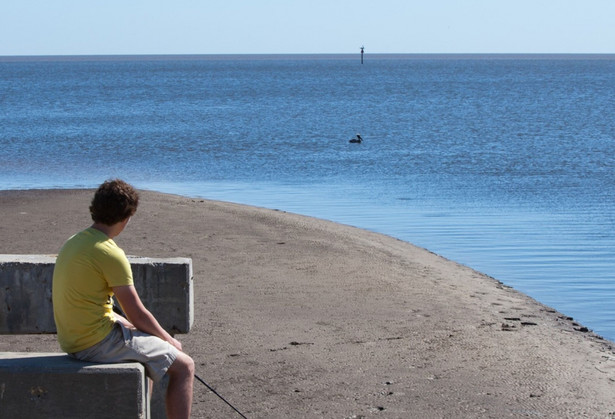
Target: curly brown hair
[(114, 201)]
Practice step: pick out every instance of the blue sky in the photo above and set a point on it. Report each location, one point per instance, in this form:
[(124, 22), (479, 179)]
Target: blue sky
[(75, 27)]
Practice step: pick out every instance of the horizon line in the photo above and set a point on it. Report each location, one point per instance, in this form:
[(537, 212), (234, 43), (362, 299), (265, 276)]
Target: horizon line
[(264, 56)]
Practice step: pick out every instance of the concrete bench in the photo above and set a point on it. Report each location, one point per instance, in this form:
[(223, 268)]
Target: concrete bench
[(53, 385), (48, 385)]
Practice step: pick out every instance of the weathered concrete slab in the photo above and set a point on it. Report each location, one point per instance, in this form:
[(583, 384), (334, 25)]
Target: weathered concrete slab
[(25, 294), (166, 288), (164, 284), (52, 385)]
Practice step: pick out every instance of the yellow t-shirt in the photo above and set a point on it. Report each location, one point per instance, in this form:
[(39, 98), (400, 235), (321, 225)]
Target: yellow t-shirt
[(89, 264)]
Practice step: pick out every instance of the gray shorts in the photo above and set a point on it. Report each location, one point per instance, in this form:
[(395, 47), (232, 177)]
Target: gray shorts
[(128, 345)]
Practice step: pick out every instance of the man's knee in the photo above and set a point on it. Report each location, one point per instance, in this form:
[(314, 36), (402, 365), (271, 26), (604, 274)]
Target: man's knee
[(182, 366)]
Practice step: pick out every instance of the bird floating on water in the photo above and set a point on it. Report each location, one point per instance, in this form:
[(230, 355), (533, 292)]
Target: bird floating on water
[(357, 139)]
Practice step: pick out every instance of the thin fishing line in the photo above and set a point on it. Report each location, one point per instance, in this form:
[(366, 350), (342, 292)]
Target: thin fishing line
[(222, 398)]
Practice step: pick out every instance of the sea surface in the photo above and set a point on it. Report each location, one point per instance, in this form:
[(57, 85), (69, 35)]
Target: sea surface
[(504, 163)]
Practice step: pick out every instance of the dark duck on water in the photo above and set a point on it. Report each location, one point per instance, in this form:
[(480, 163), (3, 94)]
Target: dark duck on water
[(357, 139)]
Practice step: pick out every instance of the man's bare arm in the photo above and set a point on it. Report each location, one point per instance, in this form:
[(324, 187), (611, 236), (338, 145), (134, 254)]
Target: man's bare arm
[(140, 316)]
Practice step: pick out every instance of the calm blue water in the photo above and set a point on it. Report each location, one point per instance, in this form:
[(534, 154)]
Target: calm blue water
[(505, 164)]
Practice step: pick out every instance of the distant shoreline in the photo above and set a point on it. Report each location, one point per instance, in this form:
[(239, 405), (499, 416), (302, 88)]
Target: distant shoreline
[(315, 56)]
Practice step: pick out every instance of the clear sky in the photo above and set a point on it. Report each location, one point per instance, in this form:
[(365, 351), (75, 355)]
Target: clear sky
[(76, 27)]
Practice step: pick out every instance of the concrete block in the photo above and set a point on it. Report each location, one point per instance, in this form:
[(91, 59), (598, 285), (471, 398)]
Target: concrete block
[(25, 294), (166, 288), (164, 285), (52, 385)]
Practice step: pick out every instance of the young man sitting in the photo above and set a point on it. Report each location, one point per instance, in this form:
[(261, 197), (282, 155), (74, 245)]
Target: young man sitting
[(89, 270)]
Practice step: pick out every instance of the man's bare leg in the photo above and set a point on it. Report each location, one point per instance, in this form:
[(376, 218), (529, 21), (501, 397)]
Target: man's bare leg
[(179, 390)]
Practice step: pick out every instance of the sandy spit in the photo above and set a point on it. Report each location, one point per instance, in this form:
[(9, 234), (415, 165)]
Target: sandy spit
[(297, 317)]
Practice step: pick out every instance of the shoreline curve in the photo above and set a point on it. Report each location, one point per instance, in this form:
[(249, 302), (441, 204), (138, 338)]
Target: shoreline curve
[(302, 317)]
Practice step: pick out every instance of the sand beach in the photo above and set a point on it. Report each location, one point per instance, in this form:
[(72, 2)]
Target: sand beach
[(297, 317)]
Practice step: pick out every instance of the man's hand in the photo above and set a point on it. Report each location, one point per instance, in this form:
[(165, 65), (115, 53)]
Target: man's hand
[(176, 343), (124, 321)]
